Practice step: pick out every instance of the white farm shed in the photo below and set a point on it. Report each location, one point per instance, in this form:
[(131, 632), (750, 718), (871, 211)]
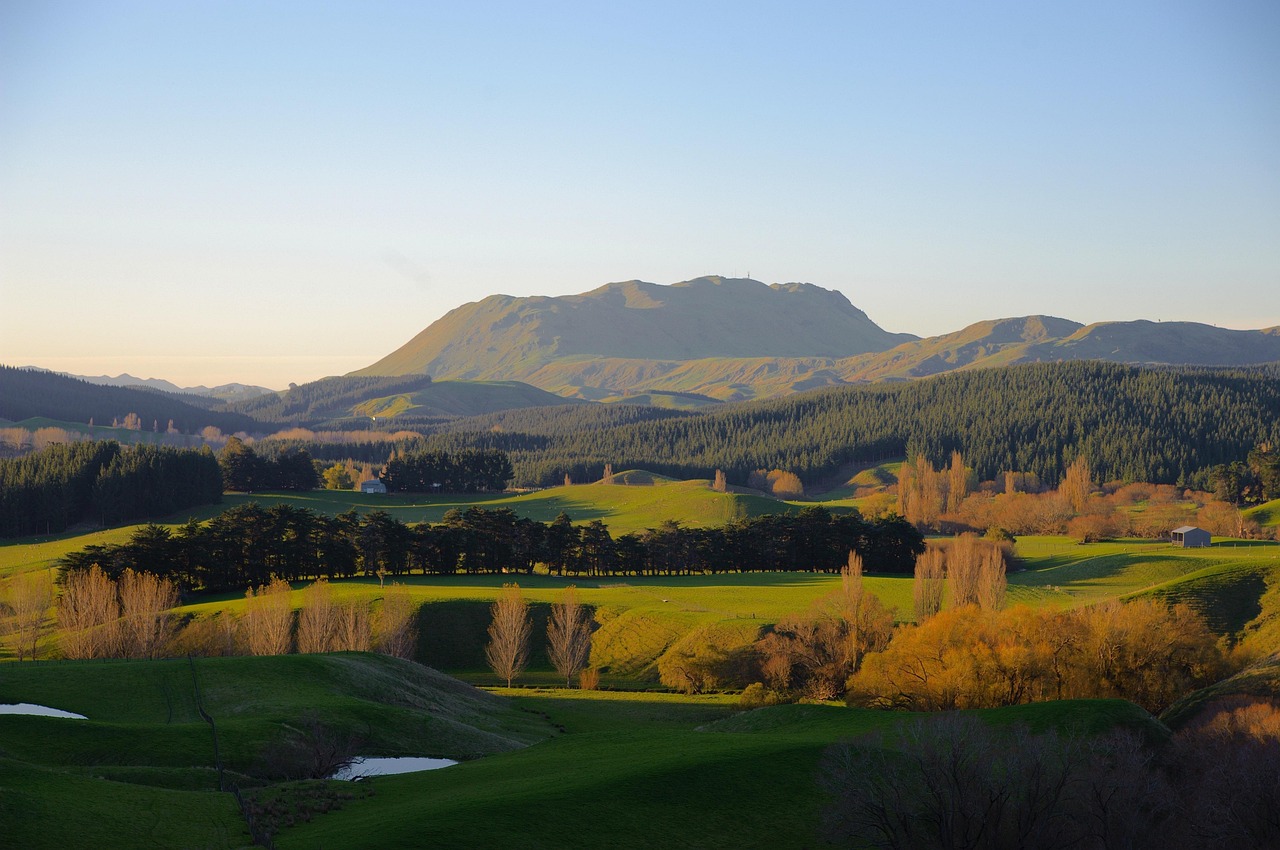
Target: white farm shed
[(373, 485)]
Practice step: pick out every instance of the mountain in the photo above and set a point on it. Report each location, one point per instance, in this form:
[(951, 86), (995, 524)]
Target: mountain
[(716, 339), (506, 338)]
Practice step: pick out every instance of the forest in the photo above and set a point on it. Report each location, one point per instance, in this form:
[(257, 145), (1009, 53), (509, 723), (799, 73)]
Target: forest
[(102, 482), (248, 545)]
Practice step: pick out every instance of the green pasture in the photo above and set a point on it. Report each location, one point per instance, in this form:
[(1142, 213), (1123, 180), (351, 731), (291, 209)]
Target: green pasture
[(640, 770), (1267, 514)]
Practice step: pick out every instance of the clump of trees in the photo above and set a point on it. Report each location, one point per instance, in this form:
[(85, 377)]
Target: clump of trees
[(102, 618), (468, 471), (779, 482), (49, 490), (966, 657), (243, 470), (1255, 479)]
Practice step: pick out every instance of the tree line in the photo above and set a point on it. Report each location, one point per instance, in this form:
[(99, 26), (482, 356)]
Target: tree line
[(131, 616), (248, 545), (47, 491)]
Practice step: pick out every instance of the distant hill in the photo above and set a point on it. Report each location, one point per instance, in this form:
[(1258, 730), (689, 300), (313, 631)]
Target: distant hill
[(222, 392), (1044, 339), (27, 394), (461, 398), (506, 338), (389, 396), (716, 339)]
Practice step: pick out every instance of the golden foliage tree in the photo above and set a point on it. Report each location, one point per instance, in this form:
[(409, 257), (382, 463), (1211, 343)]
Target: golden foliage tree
[(1077, 484), (963, 658)]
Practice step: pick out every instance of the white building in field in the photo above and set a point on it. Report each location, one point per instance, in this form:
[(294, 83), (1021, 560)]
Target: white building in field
[(373, 485)]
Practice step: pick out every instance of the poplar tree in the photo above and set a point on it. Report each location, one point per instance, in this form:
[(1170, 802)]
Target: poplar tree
[(508, 649), (568, 635)]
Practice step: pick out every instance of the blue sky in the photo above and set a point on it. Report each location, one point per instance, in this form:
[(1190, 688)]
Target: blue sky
[(272, 192)]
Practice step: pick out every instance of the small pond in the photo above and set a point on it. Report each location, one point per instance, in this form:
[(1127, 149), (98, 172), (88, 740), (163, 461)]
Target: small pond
[(40, 710), (362, 767)]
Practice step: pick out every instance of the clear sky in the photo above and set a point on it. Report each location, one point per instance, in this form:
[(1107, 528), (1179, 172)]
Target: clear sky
[(269, 192)]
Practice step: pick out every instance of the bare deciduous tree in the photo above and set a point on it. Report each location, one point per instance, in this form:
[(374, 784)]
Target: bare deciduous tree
[(508, 648), (145, 601), (316, 618), (396, 632), (352, 632), (30, 596), (957, 483), (87, 614), (992, 581), (964, 565), (268, 619), (568, 634)]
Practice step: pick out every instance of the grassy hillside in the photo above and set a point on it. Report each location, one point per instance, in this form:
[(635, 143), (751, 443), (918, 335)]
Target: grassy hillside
[(139, 772), (665, 771), (458, 398), (1267, 514), (657, 769)]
